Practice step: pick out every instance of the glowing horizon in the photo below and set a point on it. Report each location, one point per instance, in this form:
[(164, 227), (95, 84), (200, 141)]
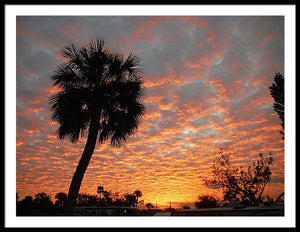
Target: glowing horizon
[(206, 81)]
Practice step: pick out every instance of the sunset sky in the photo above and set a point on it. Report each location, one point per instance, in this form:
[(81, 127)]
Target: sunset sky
[(206, 82)]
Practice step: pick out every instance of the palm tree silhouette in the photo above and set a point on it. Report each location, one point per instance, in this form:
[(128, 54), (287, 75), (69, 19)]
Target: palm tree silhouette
[(138, 194), (100, 190), (100, 95)]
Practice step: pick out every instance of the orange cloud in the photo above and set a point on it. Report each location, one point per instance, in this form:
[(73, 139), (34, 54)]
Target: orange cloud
[(52, 90), (19, 143), (67, 29), (21, 31), (32, 131), (35, 109), (210, 36), (266, 39)]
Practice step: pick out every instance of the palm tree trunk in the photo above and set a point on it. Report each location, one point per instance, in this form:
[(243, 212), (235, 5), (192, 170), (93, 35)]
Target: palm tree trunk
[(81, 167)]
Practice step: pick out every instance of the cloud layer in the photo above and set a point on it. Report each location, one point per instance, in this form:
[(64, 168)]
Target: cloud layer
[(206, 81)]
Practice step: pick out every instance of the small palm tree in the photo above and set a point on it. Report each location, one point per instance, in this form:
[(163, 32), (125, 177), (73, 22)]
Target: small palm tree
[(100, 96), (138, 194), (100, 190)]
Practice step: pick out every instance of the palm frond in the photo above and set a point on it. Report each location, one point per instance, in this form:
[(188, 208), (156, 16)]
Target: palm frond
[(96, 45), (131, 65), (97, 83), (115, 66), (72, 54), (65, 77), (67, 109)]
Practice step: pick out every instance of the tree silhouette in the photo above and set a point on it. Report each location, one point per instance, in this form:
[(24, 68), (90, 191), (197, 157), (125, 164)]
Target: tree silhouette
[(92, 200), (268, 201), (130, 200), (138, 194), (100, 190), (280, 198), (25, 207), (100, 96), (206, 201), (61, 199), (277, 92), (244, 184), (42, 203), (108, 197), (82, 199), (117, 200), (149, 206)]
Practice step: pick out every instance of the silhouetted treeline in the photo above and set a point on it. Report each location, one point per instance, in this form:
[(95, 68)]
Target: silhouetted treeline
[(41, 203), (207, 201)]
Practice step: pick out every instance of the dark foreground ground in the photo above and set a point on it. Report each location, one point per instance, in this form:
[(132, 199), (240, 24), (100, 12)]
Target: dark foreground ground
[(124, 211)]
